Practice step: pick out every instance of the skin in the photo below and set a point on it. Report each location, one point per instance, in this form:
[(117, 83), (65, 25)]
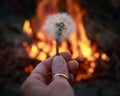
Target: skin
[(41, 81)]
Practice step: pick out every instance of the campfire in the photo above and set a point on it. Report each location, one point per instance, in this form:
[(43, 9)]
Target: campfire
[(81, 47)]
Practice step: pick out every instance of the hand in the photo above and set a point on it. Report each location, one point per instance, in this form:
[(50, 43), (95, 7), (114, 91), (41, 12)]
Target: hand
[(41, 81)]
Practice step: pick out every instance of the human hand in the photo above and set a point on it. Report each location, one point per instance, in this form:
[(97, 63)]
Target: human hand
[(41, 81)]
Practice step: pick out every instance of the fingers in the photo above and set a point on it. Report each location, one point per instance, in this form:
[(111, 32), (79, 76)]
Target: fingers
[(60, 83), (71, 78), (66, 55), (44, 67), (73, 66), (59, 65), (42, 70)]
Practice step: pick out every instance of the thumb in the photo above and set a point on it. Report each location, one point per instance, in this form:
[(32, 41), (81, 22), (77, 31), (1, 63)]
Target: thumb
[(60, 85), (59, 66)]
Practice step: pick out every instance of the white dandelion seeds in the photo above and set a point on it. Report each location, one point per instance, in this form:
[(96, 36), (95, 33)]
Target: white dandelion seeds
[(59, 27)]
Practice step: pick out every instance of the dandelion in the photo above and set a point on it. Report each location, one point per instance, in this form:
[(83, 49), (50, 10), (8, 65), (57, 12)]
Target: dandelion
[(59, 27)]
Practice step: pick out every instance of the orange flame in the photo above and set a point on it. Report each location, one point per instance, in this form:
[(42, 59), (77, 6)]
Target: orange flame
[(28, 69), (26, 28), (78, 43)]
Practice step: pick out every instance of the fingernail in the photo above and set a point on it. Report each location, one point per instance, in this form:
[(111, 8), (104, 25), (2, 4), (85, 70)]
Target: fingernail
[(58, 61), (76, 61)]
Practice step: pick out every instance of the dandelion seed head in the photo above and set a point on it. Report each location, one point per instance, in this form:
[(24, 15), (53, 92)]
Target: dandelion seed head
[(61, 24)]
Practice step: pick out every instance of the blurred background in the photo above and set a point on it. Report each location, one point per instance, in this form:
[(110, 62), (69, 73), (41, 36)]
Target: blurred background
[(95, 43)]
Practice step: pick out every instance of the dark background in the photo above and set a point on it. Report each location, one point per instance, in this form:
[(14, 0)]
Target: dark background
[(105, 14)]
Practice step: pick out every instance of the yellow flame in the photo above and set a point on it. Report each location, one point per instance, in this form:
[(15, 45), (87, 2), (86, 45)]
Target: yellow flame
[(40, 35), (26, 28), (34, 51), (41, 44), (85, 50), (105, 57), (42, 56), (91, 70), (97, 55), (92, 64), (47, 48)]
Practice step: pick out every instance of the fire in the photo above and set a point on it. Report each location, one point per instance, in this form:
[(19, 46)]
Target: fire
[(105, 57), (33, 51), (92, 64), (78, 43), (28, 68), (26, 28), (90, 70), (42, 56), (85, 49), (97, 55)]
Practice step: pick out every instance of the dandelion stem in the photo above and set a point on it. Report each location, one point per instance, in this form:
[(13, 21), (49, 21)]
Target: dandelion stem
[(57, 47), (59, 27)]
